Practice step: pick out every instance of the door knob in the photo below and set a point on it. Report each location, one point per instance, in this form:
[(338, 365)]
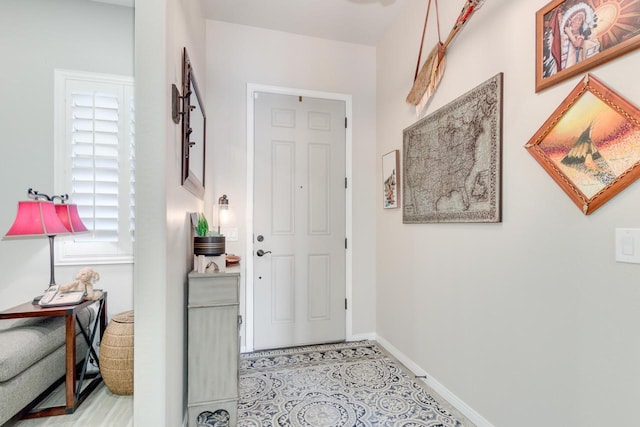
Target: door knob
[(260, 252)]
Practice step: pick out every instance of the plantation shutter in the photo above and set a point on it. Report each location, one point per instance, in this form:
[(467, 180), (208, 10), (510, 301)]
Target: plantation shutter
[(95, 146), (94, 168)]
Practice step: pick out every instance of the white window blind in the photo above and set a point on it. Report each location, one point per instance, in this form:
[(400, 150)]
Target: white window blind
[(95, 151)]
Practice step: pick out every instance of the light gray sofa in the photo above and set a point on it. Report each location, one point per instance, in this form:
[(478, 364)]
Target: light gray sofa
[(32, 358)]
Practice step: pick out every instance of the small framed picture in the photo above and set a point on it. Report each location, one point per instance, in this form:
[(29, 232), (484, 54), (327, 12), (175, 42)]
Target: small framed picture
[(590, 145), (573, 36), (391, 180)]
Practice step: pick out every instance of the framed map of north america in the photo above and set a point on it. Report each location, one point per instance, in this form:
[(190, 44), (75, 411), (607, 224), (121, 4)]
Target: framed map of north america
[(452, 160)]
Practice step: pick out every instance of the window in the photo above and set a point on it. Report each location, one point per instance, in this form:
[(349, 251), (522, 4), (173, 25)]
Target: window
[(95, 164)]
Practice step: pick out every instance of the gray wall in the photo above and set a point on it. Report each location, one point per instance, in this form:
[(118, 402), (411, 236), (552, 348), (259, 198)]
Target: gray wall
[(531, 321), (37, 36), (163, 232)]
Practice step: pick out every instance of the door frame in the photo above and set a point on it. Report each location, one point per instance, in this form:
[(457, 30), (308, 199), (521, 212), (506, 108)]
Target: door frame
[(251, 90)]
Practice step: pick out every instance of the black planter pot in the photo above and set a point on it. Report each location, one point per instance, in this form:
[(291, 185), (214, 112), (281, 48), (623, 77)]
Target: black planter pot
[(208, 245)]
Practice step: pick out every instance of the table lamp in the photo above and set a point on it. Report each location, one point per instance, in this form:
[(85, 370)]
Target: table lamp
[(42, 217)]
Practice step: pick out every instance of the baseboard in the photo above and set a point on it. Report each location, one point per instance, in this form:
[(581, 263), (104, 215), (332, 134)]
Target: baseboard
[(362, 337), (454, 400), (358, 337)]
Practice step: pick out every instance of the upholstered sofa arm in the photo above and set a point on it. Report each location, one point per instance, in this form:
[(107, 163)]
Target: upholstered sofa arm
[(32, 358)]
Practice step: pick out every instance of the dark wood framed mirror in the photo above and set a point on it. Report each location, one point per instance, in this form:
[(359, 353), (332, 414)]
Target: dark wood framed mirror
[(194, 126)]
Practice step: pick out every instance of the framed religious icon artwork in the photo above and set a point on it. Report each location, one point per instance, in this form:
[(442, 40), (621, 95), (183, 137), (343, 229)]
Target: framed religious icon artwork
[(573, 36), (590, 145)]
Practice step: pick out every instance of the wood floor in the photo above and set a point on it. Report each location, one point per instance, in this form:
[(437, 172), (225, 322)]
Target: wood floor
[(101, 409)]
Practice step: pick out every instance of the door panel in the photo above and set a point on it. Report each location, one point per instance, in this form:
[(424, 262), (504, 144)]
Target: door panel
[(283, 285), (299, 209), (319, 189), (282, 176), (319, 287)]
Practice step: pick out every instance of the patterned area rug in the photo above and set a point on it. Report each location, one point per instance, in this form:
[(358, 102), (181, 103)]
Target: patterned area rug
[(347, 384)]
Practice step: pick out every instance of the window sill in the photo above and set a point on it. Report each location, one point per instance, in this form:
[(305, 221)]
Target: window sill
[(95, 261)]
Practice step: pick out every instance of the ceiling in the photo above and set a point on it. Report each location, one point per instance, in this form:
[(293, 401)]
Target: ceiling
[(352, 21)]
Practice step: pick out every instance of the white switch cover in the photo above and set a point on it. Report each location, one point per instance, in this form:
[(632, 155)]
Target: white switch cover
[(230, 233), (628, 245)]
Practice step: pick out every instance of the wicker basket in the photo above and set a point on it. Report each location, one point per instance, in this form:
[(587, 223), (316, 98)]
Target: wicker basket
[(116, 354)]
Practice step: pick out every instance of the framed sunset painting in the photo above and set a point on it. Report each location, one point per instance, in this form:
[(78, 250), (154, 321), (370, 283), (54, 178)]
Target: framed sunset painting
[(590, 145), (573, 36)]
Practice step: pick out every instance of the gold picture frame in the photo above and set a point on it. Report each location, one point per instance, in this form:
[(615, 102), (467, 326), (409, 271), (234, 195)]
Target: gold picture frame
[(573, 36), (590, 145)]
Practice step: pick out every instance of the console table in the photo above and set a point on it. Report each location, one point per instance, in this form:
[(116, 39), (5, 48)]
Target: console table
[(213, 348), (74, 393)]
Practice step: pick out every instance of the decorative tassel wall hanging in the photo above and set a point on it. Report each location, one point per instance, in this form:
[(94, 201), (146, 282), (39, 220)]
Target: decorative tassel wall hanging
[(428, 77)]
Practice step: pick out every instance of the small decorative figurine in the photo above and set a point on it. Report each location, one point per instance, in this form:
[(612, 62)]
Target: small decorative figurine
[(85, 280)]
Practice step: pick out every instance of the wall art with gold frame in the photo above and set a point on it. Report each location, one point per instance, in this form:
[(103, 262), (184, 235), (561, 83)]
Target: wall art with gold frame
[(590, 145)]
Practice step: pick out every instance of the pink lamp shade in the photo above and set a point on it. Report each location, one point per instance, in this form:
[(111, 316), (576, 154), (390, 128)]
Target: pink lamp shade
[(36, 218), (68, 214)]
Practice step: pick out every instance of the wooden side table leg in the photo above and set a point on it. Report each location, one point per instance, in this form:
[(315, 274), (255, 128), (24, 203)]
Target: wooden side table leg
[(70, 347)]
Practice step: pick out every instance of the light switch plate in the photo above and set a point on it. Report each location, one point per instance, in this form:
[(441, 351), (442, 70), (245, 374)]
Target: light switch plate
[(628, 245), (230, 233)]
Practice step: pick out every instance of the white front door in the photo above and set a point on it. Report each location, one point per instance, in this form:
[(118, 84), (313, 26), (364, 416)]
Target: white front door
[(299, 221)]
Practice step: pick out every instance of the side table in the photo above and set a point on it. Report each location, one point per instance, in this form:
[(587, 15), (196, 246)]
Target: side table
[(74, 378), (213, 348)]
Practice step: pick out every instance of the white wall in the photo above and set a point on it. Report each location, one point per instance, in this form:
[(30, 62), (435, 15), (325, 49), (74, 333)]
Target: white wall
[(37, 36), (238, 55), (163, 232), (530, 321)]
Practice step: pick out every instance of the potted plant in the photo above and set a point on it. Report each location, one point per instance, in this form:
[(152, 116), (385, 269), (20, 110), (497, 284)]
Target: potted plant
[(208, 243)]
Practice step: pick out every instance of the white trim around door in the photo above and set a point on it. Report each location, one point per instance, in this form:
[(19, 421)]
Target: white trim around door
[(251, 90)]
